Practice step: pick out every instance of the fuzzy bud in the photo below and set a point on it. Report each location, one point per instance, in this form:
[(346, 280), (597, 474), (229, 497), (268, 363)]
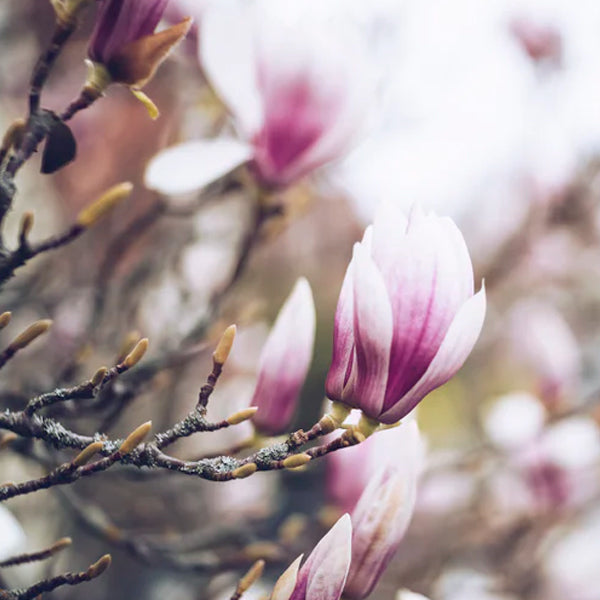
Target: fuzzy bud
[(87, 454), (31, 333), (99, 566), (244, 471), (296, 461), (91, 214), (5, 319), (135, 438), (134, 357), (224, 346), (242, 415)]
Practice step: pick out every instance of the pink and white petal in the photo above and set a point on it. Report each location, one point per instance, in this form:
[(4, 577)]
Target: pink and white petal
[(285, 585), (373, 323), (327, 566), (190, 166), (379, 522), (428, 283), (343, 338), (284, 361), (227, 53), (454, 350)]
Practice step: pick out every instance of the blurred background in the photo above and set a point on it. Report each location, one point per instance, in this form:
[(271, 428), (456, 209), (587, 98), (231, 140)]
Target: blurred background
[(484, 111)]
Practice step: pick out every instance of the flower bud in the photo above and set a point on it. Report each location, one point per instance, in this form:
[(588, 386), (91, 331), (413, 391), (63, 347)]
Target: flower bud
[(407, 317), (284, 362)]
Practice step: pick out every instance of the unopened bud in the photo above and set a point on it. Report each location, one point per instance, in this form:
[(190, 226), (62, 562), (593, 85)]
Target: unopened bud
[(99, 566), (263, 549), (328, 424), (13, 136), (291, 529), (87, 454), (98, 376), (296, 460), (128, 343), (223, 349), (134, 357), (252, 575), (91, 214), (135, 438), (242, 415), (5, 319), (244, 471), (33, 331), (60, 545)]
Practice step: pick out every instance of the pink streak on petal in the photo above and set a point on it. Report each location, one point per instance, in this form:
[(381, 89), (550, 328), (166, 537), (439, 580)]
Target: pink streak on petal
[(428, 281), (324, 574), (454, 350)]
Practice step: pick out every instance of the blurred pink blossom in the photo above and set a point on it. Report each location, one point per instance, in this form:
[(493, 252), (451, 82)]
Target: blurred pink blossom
[(407, 317), (541, 339)]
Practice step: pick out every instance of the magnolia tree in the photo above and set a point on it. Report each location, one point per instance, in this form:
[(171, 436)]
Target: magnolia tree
[(257, 100)]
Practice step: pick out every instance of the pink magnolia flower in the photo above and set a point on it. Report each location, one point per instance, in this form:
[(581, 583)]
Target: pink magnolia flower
[(541, 339), (407, 317), (382, 515), (323, 575), (284, 362)]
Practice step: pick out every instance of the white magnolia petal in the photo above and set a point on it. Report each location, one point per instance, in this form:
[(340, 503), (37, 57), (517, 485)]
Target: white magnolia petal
[(190, 166), (373, 326), (227, 54), (456, 347)]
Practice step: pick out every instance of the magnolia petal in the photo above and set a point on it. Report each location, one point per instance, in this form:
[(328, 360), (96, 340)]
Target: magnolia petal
[(227, 54), (343, 339), (191, 166), (428, 281), (373, 334), (323, 576), (454, 350), (284, 587), (284, 361)]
